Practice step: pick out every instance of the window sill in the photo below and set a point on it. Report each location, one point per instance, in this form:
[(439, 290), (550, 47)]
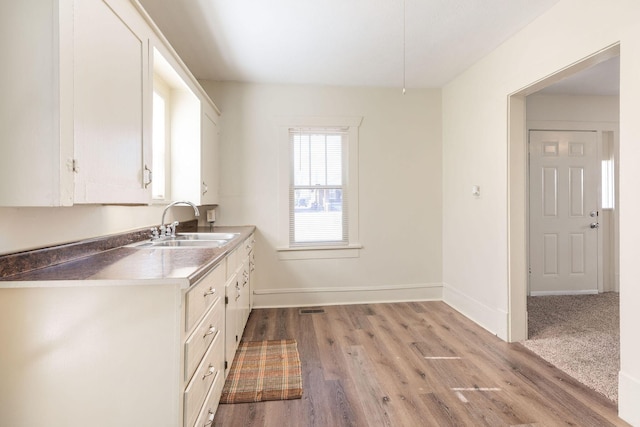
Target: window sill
[(319, 252)]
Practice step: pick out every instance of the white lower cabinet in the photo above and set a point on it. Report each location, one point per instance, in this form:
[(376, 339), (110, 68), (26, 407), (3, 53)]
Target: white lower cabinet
[(120, 354), (238, 297), (210, 368), (223, 301), (208, 411), (203, 356)]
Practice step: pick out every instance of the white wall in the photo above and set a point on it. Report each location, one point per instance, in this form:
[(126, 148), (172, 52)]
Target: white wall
[(475, 151), (400, 190), (30, 228), (573, 108)]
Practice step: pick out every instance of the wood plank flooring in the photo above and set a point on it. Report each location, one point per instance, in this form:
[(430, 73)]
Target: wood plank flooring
[(413, 364)]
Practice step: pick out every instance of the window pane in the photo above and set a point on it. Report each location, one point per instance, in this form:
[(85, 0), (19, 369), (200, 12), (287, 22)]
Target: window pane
[(301, 159), (318, 156), (158, 147), (317, 215), (317, 159), (608, 175), (334, 160)]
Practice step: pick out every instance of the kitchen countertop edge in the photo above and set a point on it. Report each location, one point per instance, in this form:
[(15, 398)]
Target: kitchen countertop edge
[(122, 266)]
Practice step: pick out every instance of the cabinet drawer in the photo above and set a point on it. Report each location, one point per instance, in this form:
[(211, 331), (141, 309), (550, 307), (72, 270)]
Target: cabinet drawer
[(211, 366), (205, 419), (203, 295), (206, 331)]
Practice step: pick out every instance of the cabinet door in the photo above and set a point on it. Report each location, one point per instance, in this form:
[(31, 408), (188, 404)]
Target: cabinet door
[(231, 321), (243, 302), (36, 104), (209, 159), (111, 101)]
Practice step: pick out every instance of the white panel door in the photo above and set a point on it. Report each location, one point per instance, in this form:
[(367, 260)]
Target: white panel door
[(563, 212)]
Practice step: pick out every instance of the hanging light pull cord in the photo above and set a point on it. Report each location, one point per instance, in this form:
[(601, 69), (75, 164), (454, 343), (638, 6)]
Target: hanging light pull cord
[(404, 46)]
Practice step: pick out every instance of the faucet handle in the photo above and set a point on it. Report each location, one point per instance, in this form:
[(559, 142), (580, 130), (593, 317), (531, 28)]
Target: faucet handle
[(172, 227)]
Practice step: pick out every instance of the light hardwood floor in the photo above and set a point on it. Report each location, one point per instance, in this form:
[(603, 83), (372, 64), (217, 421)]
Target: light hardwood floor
[(413, 364)]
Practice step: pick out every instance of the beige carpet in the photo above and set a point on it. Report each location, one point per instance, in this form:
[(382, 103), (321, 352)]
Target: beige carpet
[(579, 334)]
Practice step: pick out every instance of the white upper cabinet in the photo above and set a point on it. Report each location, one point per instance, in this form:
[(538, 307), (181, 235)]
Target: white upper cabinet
[(76, 110), (111, 103), (209, 157), (36, 106), (74, 105), (194, 134), (194, 150)]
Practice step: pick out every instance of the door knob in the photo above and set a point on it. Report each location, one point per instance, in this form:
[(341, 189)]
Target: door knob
[(594, 225)]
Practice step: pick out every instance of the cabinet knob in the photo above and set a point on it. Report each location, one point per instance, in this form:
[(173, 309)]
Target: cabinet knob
[(211, 291), (205, 188)]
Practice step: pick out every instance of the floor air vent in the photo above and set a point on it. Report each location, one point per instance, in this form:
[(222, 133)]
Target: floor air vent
[(311, 310)]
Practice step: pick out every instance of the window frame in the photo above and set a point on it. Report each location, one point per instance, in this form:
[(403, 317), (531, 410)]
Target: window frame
[(287, 250)]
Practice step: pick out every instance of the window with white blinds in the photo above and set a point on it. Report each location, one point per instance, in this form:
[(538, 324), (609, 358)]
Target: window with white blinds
[(318, 187), (318, 208)]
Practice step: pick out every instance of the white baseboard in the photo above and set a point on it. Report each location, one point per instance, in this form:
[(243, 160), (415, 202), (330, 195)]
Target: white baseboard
[(628, 398), (306, 297), (548, 293), (491, 319)]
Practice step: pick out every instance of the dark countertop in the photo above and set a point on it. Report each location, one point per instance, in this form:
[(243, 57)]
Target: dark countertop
[(132, 266)]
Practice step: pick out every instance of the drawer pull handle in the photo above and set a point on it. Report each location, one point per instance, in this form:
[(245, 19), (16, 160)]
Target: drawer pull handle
[(210, 419), (211, 331), (209, 372), (211, 291)]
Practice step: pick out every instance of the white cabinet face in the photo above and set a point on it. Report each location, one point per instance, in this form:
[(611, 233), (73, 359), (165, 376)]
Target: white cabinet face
[(110, 86), (209, 161), (36, 104)]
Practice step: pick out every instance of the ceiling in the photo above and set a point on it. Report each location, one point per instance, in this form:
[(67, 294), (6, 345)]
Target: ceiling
[(339, 42), (601, 79), (353, 42)]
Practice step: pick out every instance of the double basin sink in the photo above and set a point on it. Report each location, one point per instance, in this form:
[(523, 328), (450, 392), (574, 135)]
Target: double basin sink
[(188, 240)]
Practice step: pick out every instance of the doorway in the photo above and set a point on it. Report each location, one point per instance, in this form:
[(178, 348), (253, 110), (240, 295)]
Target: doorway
[(537, 196), (518, 204)]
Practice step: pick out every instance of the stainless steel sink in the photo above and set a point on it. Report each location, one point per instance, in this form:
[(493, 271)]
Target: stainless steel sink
[(205, 236), (188, 240), (181, 244)]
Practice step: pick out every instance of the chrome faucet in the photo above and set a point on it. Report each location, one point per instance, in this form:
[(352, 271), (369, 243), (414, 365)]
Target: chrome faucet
[(171, 229)]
